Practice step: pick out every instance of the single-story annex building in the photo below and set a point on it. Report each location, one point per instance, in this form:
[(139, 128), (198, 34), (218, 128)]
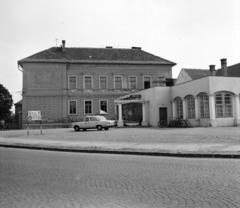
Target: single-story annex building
[(209, 100)]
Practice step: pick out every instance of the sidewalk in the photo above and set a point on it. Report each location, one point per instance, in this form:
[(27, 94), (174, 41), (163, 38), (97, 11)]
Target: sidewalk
[(188, 142)]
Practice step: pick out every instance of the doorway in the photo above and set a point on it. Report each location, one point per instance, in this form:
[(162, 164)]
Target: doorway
[(163, 117)]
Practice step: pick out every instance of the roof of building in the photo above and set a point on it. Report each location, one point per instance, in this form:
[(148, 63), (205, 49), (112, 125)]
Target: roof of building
[(233, 71), (96, 55), (18, 103), (197, 73)]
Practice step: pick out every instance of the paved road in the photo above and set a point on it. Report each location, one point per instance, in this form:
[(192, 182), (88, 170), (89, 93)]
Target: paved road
[(44, 179), (207, 142)]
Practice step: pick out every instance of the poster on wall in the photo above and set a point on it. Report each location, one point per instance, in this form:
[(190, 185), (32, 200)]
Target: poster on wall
[(34, 116)]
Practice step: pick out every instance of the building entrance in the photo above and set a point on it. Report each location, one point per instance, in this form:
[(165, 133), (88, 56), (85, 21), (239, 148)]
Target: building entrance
[(163, 116), (132, 112)]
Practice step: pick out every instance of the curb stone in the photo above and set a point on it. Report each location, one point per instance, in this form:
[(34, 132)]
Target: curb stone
[(133, 152)]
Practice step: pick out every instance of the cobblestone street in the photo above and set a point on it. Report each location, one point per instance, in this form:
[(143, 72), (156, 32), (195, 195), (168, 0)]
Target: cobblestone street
[(51, 179)]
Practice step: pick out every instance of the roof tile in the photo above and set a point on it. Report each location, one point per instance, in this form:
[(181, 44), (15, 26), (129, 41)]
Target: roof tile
[(197, 73), (96, 54), (233, 71)]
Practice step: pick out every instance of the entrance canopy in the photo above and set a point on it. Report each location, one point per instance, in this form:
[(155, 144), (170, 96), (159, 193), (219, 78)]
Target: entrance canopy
[(129, 99), (131, 112)]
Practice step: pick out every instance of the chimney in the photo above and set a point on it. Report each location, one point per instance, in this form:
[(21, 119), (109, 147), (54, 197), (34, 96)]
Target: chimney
[(63, 45), (136, 48), (212, 70), (224, 67)]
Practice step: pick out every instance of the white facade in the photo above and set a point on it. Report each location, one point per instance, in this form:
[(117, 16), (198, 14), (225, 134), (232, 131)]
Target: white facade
[(152, 99), (209, 101), (221, 112)]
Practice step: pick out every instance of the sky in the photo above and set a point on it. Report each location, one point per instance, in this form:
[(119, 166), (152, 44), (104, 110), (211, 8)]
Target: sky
[(191, 33)]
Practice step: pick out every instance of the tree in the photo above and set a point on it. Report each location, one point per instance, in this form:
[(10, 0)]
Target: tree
[(6, 103)]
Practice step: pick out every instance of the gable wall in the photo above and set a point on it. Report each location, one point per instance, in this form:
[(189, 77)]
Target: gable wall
[(183, 77)]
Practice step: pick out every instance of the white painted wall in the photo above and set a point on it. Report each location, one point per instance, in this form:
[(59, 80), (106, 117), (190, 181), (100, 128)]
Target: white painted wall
[(183, 77), (163, 96), (209, 85), (190, 88), (231, 84), (157, 97)]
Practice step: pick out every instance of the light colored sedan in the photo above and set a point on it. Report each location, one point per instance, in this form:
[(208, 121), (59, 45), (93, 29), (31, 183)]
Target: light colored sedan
[(112, 123), (91, 122)]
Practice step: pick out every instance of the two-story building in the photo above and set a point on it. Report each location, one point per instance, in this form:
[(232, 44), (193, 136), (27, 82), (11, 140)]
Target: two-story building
[(66, 84)]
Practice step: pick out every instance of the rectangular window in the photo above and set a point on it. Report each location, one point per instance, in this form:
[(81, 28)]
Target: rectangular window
[(88, 106), (219, 106), (72, 107), (93, 119), (72, 82), (118, 82), (103, 82), (179, 105), (204, 105), (103, 106), (223, 105), (146, 82), (133, 83), (190, 101), (228, 105), (88, 82)]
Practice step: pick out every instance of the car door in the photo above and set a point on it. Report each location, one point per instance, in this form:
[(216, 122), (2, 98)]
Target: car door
[(86, 123), (93, 122)]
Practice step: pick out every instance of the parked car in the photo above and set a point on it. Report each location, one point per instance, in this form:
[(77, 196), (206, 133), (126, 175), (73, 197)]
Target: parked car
[(112, 123), (92, 122)]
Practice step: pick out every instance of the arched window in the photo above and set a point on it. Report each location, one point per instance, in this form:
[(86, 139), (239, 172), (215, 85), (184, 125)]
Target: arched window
[(190, 106), (204, 105), (223, 105), (179, 107)]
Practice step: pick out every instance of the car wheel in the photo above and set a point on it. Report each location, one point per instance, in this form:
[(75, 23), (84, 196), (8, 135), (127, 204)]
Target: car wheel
[(76, 128), (84, 129), (99, 128), (106, 128)]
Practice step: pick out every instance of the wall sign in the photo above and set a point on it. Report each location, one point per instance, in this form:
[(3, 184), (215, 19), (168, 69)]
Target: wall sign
[(34, 116)]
